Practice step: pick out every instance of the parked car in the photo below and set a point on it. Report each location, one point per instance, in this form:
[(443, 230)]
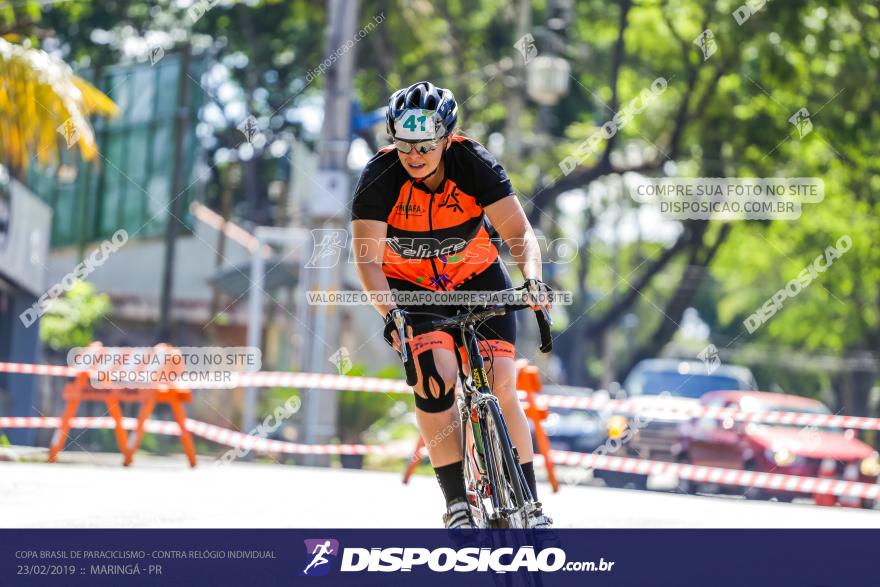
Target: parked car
[(654, 386), (573, 429), (775, 448)]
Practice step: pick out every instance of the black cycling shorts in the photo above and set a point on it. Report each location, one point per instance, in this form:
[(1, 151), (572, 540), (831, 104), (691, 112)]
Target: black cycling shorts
[(500, 331)]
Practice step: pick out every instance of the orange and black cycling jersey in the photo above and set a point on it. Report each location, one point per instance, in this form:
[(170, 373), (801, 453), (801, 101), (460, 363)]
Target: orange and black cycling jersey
[(437, 240)]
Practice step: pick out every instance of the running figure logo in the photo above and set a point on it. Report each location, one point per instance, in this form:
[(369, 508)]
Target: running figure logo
[(329, 243), (318, 549), (706, 42)]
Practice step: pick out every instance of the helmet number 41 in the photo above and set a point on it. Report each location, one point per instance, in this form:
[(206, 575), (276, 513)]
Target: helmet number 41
[(410, 123)]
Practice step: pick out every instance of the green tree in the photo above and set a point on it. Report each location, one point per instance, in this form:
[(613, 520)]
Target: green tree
[(72, 318)]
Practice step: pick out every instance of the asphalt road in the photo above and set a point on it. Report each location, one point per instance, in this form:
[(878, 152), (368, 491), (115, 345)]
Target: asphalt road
[(164, 493)]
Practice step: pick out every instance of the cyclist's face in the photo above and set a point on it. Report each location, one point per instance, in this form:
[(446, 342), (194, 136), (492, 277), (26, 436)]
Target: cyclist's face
[(422, 164)]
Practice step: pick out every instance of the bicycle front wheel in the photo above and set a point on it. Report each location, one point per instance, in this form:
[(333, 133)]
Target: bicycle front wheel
[(506, 477)]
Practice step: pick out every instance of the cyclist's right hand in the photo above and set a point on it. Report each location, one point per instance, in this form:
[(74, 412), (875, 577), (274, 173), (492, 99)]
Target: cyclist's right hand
[(391, 335), (395, 325)]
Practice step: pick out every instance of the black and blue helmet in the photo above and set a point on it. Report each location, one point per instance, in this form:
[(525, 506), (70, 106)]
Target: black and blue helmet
[(422, 96)]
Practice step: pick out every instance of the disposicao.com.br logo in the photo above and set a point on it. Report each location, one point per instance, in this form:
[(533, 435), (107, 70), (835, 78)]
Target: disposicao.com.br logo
[(318, 550), (467, 559)]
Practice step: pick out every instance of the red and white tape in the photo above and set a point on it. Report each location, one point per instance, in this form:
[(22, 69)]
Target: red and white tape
[(93, 422), (791, 418), (29, 369), (255, 379), (376, 385), (320, 381), (720, 476), (257, 443), (700, 474), (224, 436)]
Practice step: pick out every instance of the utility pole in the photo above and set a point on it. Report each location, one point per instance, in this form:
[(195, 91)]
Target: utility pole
[(516, 100), (163, 332), (327, 211)]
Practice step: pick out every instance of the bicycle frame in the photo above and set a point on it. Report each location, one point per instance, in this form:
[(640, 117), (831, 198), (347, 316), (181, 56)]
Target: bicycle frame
[(479, 460), (491, 468)]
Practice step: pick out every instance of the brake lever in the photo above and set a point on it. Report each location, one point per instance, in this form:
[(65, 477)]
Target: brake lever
[(400, 323), (534, 292)]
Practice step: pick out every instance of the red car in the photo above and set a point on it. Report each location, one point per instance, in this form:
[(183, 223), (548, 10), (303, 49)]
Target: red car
[(775, 448)]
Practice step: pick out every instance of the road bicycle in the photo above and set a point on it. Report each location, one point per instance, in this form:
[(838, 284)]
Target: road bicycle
[(497, 492)]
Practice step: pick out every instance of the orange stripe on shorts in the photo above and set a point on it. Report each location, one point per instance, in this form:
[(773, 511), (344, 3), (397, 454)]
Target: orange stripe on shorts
[(430, 341), (491, 348)]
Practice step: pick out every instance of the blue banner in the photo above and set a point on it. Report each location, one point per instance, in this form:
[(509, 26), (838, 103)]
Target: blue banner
[(327, 557)]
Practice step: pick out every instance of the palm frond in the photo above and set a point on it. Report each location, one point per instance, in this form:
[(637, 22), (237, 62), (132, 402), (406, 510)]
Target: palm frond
[(44, 106)]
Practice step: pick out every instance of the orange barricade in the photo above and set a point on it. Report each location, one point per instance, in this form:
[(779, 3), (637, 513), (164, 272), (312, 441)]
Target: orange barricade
[(81, 389), (529, 381)]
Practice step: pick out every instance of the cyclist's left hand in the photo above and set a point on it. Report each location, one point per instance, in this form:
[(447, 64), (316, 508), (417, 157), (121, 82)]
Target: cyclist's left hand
[(545, 295)]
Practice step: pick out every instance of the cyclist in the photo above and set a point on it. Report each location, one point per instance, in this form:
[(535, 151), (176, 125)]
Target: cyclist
[(424, 215)]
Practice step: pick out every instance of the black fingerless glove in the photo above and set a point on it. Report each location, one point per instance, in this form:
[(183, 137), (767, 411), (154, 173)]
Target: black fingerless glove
[(390, 326)]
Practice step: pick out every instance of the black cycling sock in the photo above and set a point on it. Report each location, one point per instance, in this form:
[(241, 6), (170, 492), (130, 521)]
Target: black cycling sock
[(528, 470), (451, 479)]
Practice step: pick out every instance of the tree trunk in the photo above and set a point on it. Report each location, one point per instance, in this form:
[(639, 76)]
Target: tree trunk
[(694, 275), (852, 392), (575, 340), (693, 230)]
